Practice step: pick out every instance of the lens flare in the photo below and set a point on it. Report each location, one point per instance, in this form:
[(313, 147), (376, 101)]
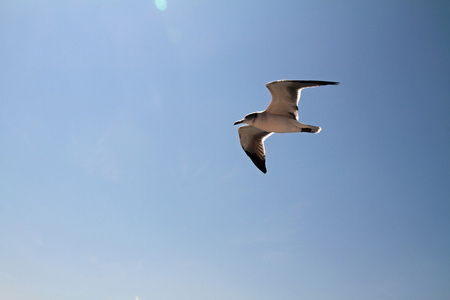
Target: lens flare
[(161, 4)]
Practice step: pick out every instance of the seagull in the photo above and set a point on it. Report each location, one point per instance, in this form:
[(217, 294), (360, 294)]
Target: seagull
[(281, 116)]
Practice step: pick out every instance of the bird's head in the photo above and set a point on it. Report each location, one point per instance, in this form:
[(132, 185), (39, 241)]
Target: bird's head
[(248, 119)]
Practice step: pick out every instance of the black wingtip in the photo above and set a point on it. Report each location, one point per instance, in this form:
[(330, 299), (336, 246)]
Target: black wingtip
[(328, 82), (260, 164), (311, 82), (263, 169)]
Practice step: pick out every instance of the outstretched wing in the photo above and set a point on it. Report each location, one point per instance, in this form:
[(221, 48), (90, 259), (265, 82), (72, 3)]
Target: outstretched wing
[(252, 141), (286, 93)]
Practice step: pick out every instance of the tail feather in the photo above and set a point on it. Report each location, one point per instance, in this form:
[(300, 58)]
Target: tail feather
[(310, 128)]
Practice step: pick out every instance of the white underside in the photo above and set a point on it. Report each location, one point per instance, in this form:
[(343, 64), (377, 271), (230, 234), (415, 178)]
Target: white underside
[(280, 124)]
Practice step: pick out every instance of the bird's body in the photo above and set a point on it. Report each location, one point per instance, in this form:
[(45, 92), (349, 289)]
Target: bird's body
[(280, 124), (280, 116)]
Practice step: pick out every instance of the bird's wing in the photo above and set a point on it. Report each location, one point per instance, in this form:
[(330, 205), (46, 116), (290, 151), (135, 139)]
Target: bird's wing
[(252, 141), (286, 93)]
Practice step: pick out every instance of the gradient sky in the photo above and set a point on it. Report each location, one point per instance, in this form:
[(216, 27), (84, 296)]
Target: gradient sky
[(122, 176)]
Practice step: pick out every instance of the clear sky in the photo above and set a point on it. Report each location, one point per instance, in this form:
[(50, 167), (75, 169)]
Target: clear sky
[(122, 176)]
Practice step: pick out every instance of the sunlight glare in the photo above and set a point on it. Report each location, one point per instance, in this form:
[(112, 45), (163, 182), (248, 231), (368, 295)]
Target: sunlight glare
[(161, 4)]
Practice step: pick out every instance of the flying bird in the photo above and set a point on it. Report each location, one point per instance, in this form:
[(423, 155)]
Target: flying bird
[(280, 116)]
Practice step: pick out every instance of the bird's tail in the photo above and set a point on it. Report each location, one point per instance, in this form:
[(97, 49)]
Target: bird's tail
[(309, 128)]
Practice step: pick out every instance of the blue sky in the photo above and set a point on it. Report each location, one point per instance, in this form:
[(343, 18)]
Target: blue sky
[(122, 177)]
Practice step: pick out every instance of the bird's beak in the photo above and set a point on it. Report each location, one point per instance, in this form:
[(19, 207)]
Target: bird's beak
[(239, 122)]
